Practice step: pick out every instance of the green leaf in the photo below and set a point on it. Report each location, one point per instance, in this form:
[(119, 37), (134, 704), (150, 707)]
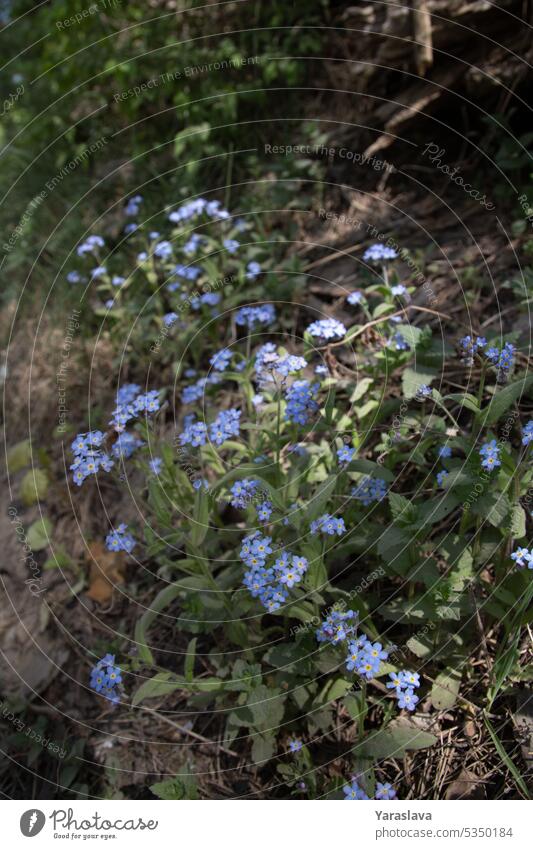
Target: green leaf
[(402, 508), (412, 380), (517, 527), (445, 689), (160, 685), (436, 509), (394, 741), (393, 548), (19, 456), (38, 534), (366, 409), (190, 136), (316, 577), (200, 518), (368, 467), (410, 333), (323, 494), (353, 704), (503, 399), (58, 560), (263, 747), (284, 655), (361, 389), (509, 763), (189, 659), (176, 789), (162, 600), (494, 507), (334, 690), (421, 645), (34, 486), (263, 710), (464, 399)]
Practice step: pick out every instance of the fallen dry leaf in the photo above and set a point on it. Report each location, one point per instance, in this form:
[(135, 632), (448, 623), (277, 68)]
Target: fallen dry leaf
[(467, 785), (107, 569)]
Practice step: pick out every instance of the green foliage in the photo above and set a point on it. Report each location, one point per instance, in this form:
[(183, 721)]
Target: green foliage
[(147, 80)]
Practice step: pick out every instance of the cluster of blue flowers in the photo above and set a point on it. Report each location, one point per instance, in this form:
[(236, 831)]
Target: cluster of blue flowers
[(231, 245), (490, 454), (327, 328), (120, 540), (301, 403), (195, 391), (379, 253), (502, 360), (90, 245), (207, 299), (133, 205), (369, 490), (329, 525), (127, 393), (404, 685), (470, 346), (383, 791), (145, 402), (337, 626), (221, 360), (188, 272), (527, 433), (88, 458), (268, 361), (270, 584), (199, 206), (125, 445), (193, 243), (163, 249), (289, 365), (365, 657), (243, 492), (226, 424), (251, 316), (523, 557), (106, 678), (442, 477)]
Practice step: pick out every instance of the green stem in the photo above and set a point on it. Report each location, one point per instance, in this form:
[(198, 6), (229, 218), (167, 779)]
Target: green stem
[(481, 388), (447, 413), (362, 711), (278, 432)]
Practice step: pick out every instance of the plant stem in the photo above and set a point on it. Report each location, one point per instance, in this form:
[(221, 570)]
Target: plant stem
[(447, 413), (278, 430), (362, 712)]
